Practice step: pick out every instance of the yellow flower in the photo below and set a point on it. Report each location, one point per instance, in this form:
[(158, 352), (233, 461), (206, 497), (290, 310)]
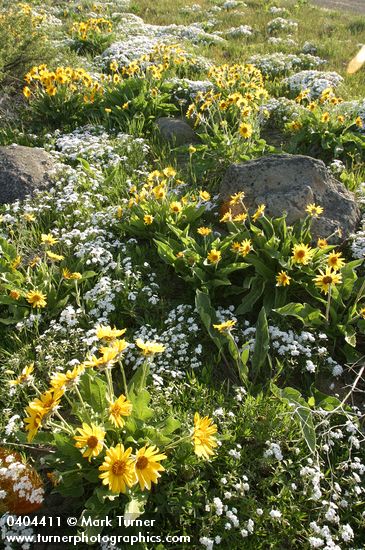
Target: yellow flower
[(359, 122), (48, 239), (205, 231), (311, 106), (27, 92), (24, 377), (226, 326), (362, 312), (245, 247), (203, 436), (335, 260), (159, 192), (118, 469), (227, 217), (176, 207), (121, 407), (325, 117), (14, 294), (107, 110), (107, 333), (150, 348), (91, 439), (325, 280), (33, 421), (38, 409), (67, 274), (302, 253), (29, 217), (259, 212), (295, 125), (245, 130), (169, 172), (147, 466), (204, 195), (192, 149), (148, 219), (236, 198), (113, 66), (214, 256), (314, 210), (110, 354), (282, 279), (16, 263), (62, 380), (322, 243), (54, 257), (341, 119), (125, 106), (240, 217), (36, 298)]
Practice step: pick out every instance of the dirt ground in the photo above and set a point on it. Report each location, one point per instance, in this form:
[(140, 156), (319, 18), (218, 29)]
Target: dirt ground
[(355, 6)]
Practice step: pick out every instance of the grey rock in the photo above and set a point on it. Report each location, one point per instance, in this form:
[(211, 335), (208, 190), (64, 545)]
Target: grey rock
[(176, 131), (288, 183), (22, 171)]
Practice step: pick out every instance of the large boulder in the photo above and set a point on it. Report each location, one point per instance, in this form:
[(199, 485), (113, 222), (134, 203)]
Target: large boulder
[(22, 171), (288, 183), (176, 131)]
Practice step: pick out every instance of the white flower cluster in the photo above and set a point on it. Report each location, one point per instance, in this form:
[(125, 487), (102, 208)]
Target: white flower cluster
[(279, 24), (239, 32), (281, 64), (180, 336), (358, 241), (275, 10), (276, 40), (280, 110), (15, 531), (231, 4), (94, 145), (314, 81), (15, 472)]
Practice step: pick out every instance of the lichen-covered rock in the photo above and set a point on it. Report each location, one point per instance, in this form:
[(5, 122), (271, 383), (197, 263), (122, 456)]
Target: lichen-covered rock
[(22, 171), (288, 183), (176, 131)]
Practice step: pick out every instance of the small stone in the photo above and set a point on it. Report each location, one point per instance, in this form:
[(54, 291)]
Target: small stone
[(176, 131)]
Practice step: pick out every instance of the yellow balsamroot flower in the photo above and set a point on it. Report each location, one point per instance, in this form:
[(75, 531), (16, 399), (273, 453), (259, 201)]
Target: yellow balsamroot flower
[(302, 254), (322, 243), (16, 263), (204, 231), (91, 439), (226, 326), (311, 106), (113, 66), (108, 333), (112, 352), (359, 122), (192, 149), (48, 239), (214, 256), (235, 247), (169, 172), (24, 377), (147, 466), (236, 198), (314, 210), (118, 469), (54, 257), (121, 407), (295, 125), (148, 219), (362, 312), (62, 380), (203, 436), (259, 212), (29, 217), (38, 409), (341, 119), (245, 247), (204, 195), (150, 348), (36, 298), (325, 117), (245, 130), (282, 279), (335, 260), (324, 281), (176, 207), (69, 275), (240, 217), (27, 92), (15, 294), (159, 192)]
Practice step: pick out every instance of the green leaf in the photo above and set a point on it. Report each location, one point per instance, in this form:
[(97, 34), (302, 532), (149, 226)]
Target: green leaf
[(262, 344), (257, 288), (140, 402), (306, 313), (208, 316), (172, 424), (93, 390)]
